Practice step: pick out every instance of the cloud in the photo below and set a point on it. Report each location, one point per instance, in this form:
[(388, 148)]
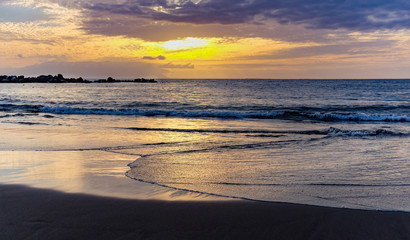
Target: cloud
[(171, 65), (134, 26), (160, 57), (316, 14), (367, 48)]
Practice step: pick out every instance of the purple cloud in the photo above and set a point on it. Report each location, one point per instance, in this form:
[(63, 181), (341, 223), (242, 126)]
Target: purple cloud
[(317, 14), (160, 57)]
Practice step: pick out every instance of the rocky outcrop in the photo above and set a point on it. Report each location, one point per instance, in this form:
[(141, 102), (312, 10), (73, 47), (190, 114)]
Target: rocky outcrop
[(59, 78), (41, 79), (143, 80)]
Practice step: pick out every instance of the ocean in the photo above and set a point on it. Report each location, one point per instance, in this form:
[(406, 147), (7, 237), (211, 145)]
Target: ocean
[(339, 143)]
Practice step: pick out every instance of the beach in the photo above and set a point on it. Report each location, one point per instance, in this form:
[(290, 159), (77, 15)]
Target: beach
[(28, 213), (188, 159)]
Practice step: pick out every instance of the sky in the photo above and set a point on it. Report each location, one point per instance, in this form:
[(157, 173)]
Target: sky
[(206, 38)]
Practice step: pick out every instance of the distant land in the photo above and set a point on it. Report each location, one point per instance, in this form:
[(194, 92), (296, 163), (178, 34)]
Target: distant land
[(59, 78)]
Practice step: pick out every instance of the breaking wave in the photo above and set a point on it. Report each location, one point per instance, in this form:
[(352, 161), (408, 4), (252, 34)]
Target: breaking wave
[(298, 114)]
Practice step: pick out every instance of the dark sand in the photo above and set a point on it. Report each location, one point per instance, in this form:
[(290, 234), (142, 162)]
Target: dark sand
[(27, 213)]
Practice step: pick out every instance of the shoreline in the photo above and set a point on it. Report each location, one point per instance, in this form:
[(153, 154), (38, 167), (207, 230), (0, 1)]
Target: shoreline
[(29, 213)]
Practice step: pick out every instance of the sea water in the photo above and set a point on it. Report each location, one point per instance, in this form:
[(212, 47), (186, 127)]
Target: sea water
[(341, 143)]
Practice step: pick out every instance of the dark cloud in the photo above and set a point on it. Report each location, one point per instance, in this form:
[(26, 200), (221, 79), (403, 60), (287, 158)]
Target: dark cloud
[(133, 26), (160, 57), (317, 14)]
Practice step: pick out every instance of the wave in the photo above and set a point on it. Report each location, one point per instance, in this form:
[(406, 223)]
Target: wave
[(12, 115), (28, 123), (250, 131), (312, 184), (359, 117), (290, 115), (331, 132), (296, 114), (127, 174), (378, 132), (174, 186)]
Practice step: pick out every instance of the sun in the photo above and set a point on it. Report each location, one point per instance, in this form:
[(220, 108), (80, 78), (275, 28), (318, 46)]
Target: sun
[(184, 44)]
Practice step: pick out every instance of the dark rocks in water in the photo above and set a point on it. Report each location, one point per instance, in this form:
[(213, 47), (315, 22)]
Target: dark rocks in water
[(41, 79), (143, 80), (109, 79), (59, 78), (137, 80), (4, 78), (100, 81)]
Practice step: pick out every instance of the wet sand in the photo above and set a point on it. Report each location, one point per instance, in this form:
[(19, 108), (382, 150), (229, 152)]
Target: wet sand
[(28, 213)]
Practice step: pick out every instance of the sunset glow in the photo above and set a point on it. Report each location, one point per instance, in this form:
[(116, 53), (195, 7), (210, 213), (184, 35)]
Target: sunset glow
[(176, 39), (184, 44)]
